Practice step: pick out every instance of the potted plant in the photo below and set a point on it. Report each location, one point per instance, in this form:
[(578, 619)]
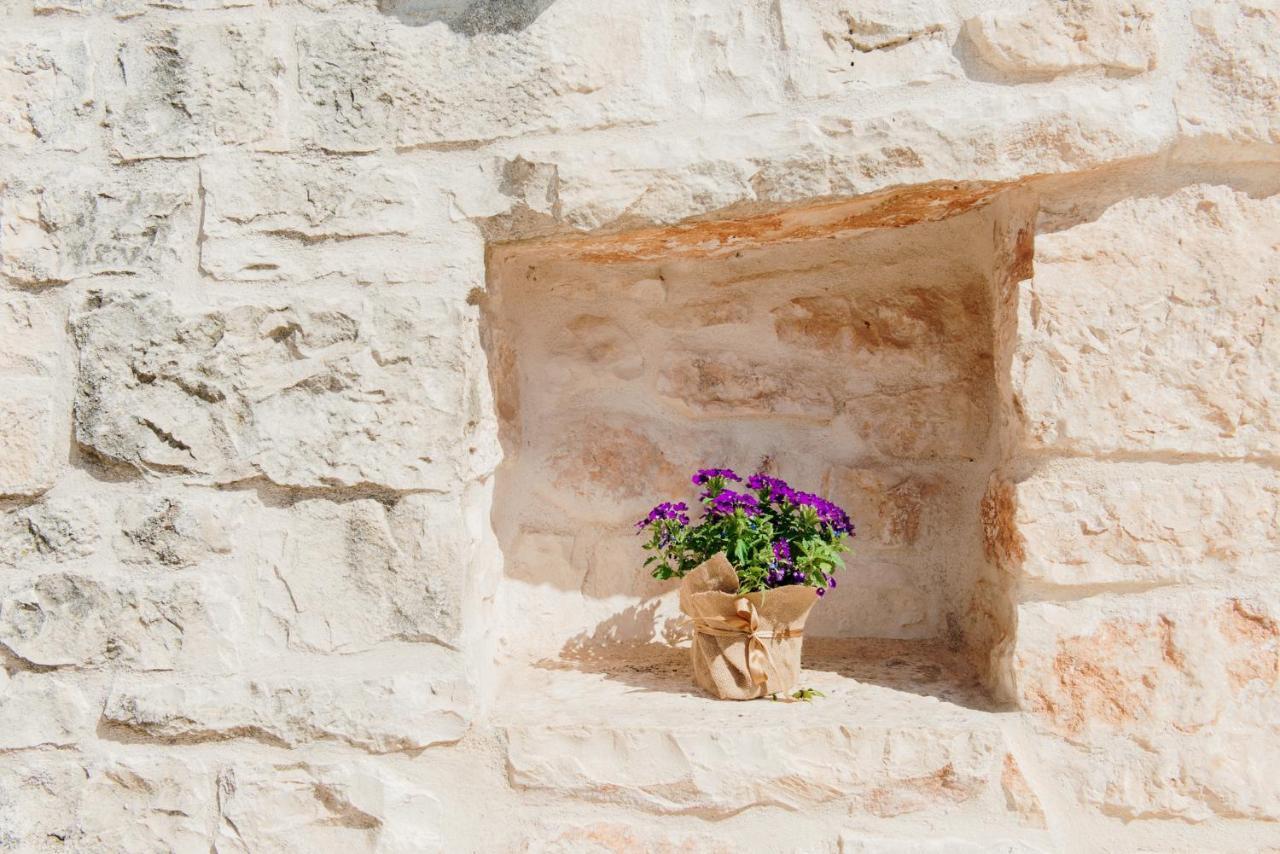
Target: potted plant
[(752, 568)]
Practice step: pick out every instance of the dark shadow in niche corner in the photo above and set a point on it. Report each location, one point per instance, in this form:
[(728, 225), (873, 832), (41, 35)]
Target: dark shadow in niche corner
[(469, 17)]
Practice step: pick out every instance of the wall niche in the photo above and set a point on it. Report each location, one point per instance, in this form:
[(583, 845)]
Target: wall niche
[(849, 347)]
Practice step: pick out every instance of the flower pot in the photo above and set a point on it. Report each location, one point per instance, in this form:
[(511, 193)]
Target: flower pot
[(745, 645)]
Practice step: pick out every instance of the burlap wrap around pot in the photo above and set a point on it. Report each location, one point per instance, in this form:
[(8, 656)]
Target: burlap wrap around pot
[(745, 645)]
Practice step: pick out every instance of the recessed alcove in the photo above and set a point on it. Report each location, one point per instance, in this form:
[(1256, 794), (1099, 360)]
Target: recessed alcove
[(848, 347)]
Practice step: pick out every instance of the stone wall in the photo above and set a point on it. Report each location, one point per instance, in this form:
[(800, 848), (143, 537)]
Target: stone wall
[(295, 450)]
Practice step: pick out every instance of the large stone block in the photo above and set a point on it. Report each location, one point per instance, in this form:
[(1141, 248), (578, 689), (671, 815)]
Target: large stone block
[(167, 530), (1230, 92), (181, 91), (1151, 329), (55, 530), (1138, 524), (33, 338), (1179, 658), (303, 806), (1048, 38), (387, 391), (45, 710), (369, 84), (379, 714), (63, 619), (59, 227), (148, 803), (39, 793), (351, 575), (362, 220), (1167, 701), (30, 431), (46, 92)]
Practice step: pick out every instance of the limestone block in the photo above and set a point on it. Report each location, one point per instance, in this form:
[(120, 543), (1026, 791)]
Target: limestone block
[(1167, 700), (1151, 329), (1230, 91), (832, 48), (351, 575), (54, 529), (368, 84), (46, 92), (65, 619), (33, 337), (386, 391), (875, 751), (44, 710), (76, 223), (300, 806), (29, 440), (1046, 38), (148, 803), (364, 220), (39, 792), (166, 530), (181, 91), (1180, 658), (1142, 524), (379, 714)]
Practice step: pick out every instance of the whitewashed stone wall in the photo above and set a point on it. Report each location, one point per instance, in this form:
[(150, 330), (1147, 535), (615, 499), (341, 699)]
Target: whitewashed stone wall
[(252, 585)]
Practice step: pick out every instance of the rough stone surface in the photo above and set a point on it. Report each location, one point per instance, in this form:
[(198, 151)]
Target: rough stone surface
[(78, 223), (1184, 356), (404, 712), (1045, 38), (304, 393), (187, 90), (342, 343), (28, 441), (46, 92)]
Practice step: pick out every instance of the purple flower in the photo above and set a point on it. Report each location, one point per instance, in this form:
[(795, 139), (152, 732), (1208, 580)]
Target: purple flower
[(831, 581), (778, 489), (828, 513), (704, 475), (665, 510), (821, 591), (782, 551), (726, 502)]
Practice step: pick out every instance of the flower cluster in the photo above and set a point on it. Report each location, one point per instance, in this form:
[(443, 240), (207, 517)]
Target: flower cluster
[(705, 476), (774, 535), (666, 510)]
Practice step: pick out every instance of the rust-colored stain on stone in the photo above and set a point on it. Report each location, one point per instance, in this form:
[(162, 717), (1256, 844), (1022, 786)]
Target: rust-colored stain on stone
[(896, 208), (1000, 538), (1018, 794), (1091, 689), (1257, 635)]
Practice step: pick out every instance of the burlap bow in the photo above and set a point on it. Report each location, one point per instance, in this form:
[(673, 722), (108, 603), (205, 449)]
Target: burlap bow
[(746, 621)]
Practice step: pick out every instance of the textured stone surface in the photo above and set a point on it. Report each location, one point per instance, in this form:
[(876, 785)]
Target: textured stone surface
[(1167, 684), (28, 440), (47, 98), (53, 530), (1183, 354), (1046, 38), (305, 393), (342, 343), (402, 712), (1147, 524), (1231, 92), (350, 575), (81, 222), (65, 619), (189, 89)]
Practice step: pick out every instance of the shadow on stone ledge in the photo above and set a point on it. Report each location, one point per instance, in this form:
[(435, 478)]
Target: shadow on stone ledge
[(469, 17)]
